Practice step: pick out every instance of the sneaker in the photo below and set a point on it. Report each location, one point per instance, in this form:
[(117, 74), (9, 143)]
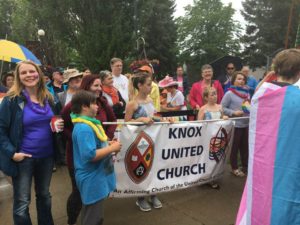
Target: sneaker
[(244, 170), (238, 173), (143, 204), (156, 203), (214, 185)]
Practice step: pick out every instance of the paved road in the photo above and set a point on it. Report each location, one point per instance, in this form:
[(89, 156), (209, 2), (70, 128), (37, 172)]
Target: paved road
[(199, 205)]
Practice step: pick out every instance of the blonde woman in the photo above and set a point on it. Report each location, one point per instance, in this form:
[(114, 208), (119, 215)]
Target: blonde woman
[(26, 142)]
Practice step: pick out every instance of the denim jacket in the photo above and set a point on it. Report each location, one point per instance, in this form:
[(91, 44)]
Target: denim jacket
[(11, 132)]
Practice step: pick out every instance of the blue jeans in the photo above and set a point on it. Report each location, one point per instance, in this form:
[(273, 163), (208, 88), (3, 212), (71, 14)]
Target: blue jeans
[(41, 171)]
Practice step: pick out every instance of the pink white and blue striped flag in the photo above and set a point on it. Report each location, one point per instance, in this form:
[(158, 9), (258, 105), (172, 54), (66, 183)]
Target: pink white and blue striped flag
[(272, 190)]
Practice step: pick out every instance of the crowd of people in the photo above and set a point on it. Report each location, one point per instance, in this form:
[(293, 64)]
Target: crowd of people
[(80, 102)]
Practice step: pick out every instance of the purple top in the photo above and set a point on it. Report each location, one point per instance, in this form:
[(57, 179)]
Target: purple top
[(37, 135)]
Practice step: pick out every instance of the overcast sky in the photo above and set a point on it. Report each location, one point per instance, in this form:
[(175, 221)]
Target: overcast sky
[(236, 4)]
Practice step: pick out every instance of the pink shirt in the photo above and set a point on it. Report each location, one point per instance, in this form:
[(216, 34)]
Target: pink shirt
[(180, 83), (196, 93)]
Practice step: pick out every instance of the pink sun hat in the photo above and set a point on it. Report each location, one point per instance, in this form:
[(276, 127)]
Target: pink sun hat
[(167, 82)]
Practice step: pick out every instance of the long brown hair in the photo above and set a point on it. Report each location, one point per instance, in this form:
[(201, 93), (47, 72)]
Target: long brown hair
[(17, 88), (135, 79), (88, 81)]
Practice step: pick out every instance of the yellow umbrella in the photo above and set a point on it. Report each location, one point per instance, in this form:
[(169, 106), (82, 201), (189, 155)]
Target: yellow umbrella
[(13, 52)]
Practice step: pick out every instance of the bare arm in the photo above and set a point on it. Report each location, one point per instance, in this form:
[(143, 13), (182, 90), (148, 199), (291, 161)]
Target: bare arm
[(201, 113), (130, 108)]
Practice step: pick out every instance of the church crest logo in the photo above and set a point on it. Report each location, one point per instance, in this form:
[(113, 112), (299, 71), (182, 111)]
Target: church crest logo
[(139, 158)]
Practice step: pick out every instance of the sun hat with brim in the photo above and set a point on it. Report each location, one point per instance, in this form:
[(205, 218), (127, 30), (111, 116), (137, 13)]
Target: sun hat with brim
[(71, 73), (167, 82)]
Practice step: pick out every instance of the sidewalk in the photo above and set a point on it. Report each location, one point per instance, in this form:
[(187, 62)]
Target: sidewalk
[(199, 205)]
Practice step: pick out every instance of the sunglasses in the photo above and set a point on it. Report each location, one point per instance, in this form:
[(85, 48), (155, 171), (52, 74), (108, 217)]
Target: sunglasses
[(230, 68)]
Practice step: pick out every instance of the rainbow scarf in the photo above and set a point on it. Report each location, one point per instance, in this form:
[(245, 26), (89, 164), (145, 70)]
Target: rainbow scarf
[(93, 123), (272, 190), (240, 91)]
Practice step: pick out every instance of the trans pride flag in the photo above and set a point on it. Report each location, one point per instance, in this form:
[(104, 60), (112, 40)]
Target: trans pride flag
[(272, 190)]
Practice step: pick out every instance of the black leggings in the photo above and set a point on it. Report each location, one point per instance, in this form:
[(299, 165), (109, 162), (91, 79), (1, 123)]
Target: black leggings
[(74, 202), (240, 144)]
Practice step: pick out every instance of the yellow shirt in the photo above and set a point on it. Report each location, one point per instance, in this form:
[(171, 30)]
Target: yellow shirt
[(154, 95)]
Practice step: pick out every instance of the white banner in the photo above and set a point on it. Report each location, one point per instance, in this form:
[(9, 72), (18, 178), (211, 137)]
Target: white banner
[(167, 157)]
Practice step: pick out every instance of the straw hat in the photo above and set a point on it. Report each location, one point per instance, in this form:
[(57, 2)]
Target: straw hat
[(71, 73)]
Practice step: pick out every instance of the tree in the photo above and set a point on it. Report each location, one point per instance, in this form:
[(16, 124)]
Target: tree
[(6, 8), (92, 32), (99, 30), (30, 15), (207, 32), (157, 25), (267, 22)]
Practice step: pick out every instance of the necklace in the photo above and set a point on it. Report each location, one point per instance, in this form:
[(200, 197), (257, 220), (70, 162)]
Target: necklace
[(93, 123)]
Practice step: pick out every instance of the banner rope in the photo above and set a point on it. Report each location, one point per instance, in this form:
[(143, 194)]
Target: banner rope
[(176, 122)]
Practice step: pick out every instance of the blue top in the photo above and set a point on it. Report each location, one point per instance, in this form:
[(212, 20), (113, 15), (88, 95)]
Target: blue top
[(37, 135), (3, 89), (95, 180), (144, 110), (251, 83), (54, 92), (211, 115), (227, 83), (11, 132)]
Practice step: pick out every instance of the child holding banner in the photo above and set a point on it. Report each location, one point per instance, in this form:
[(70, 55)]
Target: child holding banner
[(141, 109), (94, 170), (211, 111)]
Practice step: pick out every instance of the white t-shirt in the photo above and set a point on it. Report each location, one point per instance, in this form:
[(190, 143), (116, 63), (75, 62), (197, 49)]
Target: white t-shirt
[(176, 100), (68, 98), (108, 98), (121, 83)]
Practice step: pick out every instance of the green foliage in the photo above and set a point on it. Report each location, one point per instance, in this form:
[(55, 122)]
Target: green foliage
[(91, 32), (6, 8), (267, 22), (99, 30), (23, 26), (207, 32), (158, 28)]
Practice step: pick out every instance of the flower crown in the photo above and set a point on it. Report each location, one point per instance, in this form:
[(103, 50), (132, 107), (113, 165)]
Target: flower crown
[(135, 65)]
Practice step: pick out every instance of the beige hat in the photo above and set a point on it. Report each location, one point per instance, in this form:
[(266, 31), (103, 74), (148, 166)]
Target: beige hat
[(71, 73)]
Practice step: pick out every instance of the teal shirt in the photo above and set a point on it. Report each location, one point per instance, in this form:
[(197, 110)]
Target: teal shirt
[(95, 180)]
